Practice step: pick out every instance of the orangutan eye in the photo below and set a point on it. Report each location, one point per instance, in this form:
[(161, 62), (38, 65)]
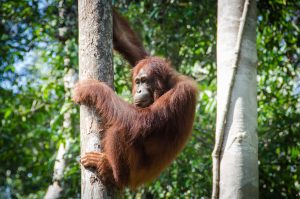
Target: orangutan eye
[(143, 79)]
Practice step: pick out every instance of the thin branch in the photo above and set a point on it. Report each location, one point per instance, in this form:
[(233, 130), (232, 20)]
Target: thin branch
[(220, 130)]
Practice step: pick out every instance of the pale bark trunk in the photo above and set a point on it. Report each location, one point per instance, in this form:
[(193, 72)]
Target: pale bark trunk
[(95, 62), (55, 189), (238, 160)]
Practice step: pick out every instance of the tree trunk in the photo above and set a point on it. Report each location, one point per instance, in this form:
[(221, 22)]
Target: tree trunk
[(236, 163), (95, 62), (55, 190)]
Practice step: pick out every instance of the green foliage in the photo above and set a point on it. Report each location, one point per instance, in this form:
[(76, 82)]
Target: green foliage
[(33, 101), (279, 107)]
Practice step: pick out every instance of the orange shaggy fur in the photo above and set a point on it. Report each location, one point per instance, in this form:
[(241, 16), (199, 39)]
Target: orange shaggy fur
[(139, 142)]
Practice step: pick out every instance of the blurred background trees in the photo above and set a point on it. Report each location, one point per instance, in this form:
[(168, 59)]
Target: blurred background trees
[(32, 95)]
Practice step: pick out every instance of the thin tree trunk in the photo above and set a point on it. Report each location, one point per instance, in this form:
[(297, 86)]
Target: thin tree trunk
[(55, 189), (235, 156), (95, 62)]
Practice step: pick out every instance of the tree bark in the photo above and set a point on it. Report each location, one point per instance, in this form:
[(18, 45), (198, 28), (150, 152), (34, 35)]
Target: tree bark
[(235, 159), (95, 62), (55, 190)]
